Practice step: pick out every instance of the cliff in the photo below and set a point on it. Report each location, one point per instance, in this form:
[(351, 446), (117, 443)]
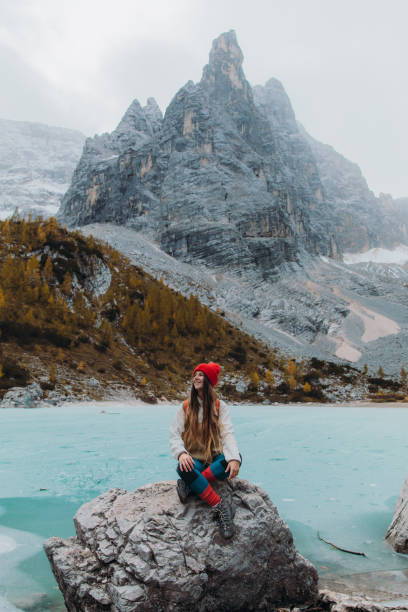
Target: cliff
[(211, 182)]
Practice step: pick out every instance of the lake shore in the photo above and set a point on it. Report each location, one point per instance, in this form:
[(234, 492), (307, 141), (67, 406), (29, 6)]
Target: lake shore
[(131, 401), (304, 456), (385, 588)]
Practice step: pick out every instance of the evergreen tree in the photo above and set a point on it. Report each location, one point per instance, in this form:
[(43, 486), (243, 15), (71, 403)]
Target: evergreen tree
[(269, 379), (254, 380)]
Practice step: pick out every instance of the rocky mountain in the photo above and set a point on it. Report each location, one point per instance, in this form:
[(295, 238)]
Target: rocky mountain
[(36, 166), (354, 312), (211, 182), (228, 177), (361, 220), (228, 196), (357, 218)]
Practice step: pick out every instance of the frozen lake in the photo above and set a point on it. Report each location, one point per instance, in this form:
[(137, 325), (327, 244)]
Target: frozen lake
[(337, 470)]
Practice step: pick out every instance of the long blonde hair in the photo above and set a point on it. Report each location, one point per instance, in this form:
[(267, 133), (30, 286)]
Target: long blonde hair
[(209, 430)]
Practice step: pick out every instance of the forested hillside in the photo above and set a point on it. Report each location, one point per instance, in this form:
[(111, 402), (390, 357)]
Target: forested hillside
[(77, 317)]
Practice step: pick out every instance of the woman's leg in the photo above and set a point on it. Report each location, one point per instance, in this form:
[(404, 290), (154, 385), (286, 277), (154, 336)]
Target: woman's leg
[(198, 481), (216, 470), (199, 484)]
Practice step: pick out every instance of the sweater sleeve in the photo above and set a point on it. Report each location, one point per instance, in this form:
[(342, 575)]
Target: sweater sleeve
[(176, 429), (229, 443)]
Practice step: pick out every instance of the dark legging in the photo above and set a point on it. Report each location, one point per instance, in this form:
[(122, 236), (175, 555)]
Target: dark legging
[(195, 479)]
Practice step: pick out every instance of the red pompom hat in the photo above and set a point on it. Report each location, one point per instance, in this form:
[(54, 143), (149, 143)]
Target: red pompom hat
[(211, 370)]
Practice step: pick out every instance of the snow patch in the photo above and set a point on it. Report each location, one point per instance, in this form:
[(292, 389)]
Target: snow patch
[(399, 255)]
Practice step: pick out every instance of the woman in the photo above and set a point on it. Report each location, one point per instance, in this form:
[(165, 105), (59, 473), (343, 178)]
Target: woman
[(202, 440)]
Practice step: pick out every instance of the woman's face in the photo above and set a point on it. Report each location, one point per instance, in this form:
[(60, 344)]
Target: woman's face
[(198, 381)]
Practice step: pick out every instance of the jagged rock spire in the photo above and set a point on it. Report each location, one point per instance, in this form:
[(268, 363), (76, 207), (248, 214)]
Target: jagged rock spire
[(224, 72)]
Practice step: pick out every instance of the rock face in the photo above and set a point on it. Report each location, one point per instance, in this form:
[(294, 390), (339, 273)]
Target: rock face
[(229, 183), (22, 397), (145, 551), (36, 166), (212, 181), (397, 532), (338, 602), (228, 178), (361, 220)]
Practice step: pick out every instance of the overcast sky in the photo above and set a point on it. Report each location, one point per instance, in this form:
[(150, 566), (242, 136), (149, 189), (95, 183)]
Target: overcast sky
[(343, 63)]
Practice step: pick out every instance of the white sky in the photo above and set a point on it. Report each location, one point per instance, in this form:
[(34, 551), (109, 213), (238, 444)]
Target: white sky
[(80, 63)]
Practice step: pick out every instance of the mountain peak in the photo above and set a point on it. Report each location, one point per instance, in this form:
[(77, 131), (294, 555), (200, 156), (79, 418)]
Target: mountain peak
[(225, 47), (225, 63)]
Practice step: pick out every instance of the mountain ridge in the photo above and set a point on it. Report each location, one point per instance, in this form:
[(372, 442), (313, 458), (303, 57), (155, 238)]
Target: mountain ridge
[(213, 130), (227, 182)]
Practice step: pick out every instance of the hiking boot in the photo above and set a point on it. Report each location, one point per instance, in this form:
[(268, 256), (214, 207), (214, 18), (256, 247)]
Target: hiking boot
[(224, 516), (183, 490)]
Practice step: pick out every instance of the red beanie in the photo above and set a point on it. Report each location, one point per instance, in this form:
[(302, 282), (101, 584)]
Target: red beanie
[(211, 370)]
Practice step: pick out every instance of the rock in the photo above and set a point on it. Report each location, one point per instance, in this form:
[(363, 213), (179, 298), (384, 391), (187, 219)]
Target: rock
[(144, 550), (361, 220), (55, 397), (148, 397), (94, 382), (22, 397), (338, 602), (397, 532)]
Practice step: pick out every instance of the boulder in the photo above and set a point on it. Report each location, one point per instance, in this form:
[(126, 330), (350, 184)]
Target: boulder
[(144, 550), (339, 602), (397, 532), (22, 397), (55, 397)]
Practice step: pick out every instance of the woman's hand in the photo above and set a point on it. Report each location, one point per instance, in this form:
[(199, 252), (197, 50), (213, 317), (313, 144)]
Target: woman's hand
[(186, 462), (232, 468)]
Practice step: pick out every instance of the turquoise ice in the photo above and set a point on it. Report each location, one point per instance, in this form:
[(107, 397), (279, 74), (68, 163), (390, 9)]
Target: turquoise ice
[(337, 470)]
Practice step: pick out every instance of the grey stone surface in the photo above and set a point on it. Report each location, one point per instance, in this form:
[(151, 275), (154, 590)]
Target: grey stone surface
[(359, 219), (228, 177), (55, 398), (22, 397), (214, 181), (143, 550), (339, 602), (309, 310), (94, 382), (397, 532)]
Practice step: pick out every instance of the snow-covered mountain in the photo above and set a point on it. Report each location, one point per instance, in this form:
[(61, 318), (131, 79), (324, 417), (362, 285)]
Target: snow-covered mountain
[(36, 166)]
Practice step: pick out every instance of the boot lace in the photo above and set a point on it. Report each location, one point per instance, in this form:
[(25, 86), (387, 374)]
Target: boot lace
[(224, 514)]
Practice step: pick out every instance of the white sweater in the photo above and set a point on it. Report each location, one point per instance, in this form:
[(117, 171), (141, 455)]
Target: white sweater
[(229, 443)]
